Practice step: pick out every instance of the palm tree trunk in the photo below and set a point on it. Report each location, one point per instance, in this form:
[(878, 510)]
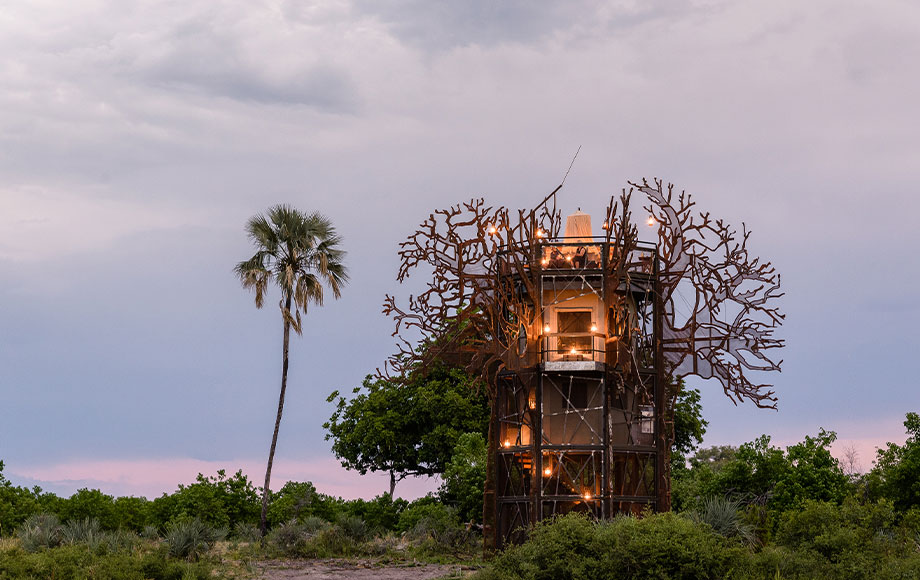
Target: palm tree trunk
[(271, 452)]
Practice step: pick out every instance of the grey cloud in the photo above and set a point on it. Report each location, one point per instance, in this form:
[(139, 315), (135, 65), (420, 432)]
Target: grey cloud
[(199, 56), (445, 25), (484, 22)]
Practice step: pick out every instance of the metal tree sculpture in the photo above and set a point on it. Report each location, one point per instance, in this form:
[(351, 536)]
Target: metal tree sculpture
[(469, 313), (709, 259)]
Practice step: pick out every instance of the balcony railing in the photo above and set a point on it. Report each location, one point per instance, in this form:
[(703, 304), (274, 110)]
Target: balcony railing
[(580, 255), (572, 347)]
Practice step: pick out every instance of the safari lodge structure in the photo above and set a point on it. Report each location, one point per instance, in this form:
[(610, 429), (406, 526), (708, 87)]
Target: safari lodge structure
[(581, 340), (578, 425)]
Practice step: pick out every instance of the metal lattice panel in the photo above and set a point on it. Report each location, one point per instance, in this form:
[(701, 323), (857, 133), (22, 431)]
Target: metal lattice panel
[(514, 518), (572, 410), (573, 473)]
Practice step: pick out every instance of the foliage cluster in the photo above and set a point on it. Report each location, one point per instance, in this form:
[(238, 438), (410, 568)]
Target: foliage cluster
[(821, 540), (407, 428)]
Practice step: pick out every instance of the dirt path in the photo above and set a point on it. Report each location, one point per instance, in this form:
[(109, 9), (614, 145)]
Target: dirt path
[(353, 570)]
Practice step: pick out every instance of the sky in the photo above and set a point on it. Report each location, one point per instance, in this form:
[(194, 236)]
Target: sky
[(136, 139)]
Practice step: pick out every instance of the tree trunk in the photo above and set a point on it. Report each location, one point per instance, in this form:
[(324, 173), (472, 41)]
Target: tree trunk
[(392, 484), (271, 452)]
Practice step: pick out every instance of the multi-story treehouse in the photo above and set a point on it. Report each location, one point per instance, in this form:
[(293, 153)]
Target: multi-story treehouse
[(580, 339), (576, 421)]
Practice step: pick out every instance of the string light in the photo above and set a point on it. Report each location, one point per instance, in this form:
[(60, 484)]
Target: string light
[(651, 220), (593, 327), (546, 327), (548, 471)]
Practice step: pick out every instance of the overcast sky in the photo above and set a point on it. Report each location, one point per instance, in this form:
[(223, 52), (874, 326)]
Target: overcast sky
[(136, 138)]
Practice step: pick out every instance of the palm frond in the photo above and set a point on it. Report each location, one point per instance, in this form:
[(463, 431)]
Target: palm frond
[(298, 252)]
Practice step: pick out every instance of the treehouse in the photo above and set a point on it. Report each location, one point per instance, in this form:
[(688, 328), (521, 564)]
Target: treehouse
[(578, 421)]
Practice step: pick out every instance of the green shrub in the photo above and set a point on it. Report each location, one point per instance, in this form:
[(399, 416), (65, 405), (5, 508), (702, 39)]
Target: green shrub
[(189, 539), (380, 514), (313, 524), (721, 514), (330, 542), (422, 508), (247, 532), (84, 531), (80, 562), (573, 547), (353, 527), (150, 532), (289, 538), (40, 531)]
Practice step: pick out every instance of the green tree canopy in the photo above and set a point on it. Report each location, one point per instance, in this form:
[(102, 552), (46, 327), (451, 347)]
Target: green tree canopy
[(896, 474), (406, 429)]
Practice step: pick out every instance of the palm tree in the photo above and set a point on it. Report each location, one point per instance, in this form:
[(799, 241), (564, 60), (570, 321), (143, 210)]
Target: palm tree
[(301, 254)]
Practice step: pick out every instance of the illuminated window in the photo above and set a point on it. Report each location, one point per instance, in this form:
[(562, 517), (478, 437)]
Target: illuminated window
[(573, 322)]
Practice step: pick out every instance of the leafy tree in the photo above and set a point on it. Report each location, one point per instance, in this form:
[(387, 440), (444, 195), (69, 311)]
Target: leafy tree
[(465, 477), (760, 474), (218, 501), (896, 474), (132, 513), (300, 253), (90, 503), (689, 424), (16, 504), (406, 429)]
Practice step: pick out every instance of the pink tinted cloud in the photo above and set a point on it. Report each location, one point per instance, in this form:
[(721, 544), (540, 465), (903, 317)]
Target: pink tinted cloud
[(152, 477)]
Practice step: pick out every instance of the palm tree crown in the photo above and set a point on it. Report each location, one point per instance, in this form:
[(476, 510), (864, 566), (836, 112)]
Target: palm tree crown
[(300, 253)]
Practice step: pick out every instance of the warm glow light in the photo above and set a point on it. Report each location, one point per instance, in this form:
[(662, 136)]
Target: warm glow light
[(651, 220), (492, 230), (569, 258), (507, 443), (546, 328), (605, 226), (547, 472), (544, 261), (587, 495), (541, 233), (574, 351), (593, 328)]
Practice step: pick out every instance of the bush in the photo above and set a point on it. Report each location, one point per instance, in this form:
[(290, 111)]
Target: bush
[(289, 538), (189, 539), (40, 531), (426, 507), (353, 527), (721, 514), (380, 514), (658, 546), (247, 532), (86, 531)]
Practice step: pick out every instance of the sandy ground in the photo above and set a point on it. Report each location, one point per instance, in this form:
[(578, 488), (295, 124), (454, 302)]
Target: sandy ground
[(353, 570)]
